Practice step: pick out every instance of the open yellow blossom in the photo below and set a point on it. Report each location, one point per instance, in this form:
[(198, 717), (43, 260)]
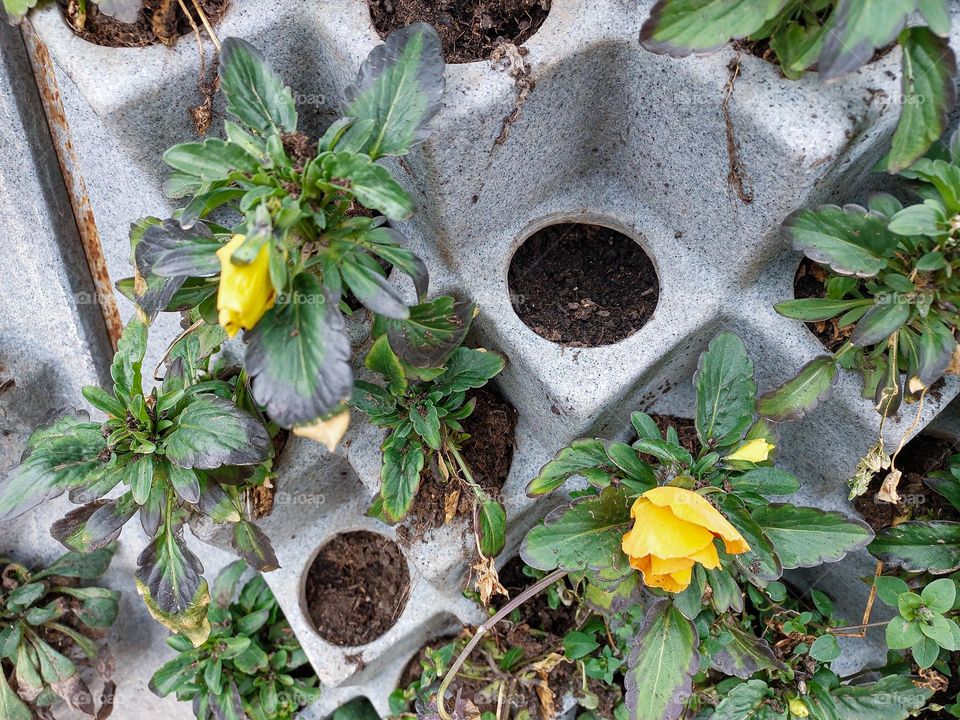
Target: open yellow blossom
[(246, 292), (674, 529), (326, 432), (755, 451)]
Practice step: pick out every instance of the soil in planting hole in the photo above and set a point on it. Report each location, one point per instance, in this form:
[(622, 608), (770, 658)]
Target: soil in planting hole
[(538, 630), (356, 588), (158, 21), (582, 285), (810, 282), (685, 427), (919, 457), (488, 453), (469, 29)]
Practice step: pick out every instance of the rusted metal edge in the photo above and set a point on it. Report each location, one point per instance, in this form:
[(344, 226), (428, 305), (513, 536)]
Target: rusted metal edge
[(49, 89)]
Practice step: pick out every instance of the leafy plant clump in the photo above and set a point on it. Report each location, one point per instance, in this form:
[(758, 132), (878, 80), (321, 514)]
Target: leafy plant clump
[(51, 624), (251, 666), (423, 407), (187, 448), (893, 290), (836, 37), (657, 508), (305, 223)]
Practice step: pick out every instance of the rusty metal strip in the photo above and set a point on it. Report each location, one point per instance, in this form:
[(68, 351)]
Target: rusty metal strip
[(73, 179)]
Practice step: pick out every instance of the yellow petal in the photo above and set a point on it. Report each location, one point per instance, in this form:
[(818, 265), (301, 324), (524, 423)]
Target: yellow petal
[(658, 531), (671, 582), (707, 557), (245, 292), (798, 708), (667, 566), (755, 451), (326, 432), (695, 509)]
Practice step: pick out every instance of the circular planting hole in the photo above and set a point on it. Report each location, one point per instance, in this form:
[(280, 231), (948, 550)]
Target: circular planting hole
[(925, 454), (470, 30), (357, 587), (582, 285), (158, 21), (489, 454)]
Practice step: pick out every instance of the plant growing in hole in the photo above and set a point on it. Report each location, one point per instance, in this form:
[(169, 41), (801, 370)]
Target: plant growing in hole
[(124, 11), (925, 624), (655, 507), (251, 666), (423, 407), (309, 226), (894, 291), (185, 448), (835, 36), (50, 624)]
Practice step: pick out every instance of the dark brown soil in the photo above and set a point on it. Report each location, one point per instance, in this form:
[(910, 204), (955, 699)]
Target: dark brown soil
[(539, 631), (356, 588), (809, 282), (469, 29), (685, 427), (920, 457), (488, 453), (159, 21), (582, 285)]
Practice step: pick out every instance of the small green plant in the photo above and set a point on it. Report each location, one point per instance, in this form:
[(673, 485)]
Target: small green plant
[(836, 36), (894, 290), (124, 11), (187, 447), (657, 508), (926, 623), (423, 409), (50, 624), (251, 666), (307, 226)]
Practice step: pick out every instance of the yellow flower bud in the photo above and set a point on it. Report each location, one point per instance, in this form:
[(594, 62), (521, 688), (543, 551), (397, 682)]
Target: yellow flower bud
[(674, 529), (755, 451), (326, 432), (245, 292), (798, 708)]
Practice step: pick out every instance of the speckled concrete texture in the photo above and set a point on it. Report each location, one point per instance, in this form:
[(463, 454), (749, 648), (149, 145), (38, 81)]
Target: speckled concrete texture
[(610, 134)]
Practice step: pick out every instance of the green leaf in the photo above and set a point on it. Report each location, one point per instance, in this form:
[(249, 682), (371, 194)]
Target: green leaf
[(801, 394), (585, 535), (929, 93), (102, 400), (825, 648), (745, 654), (211, 160), (400, 478), (426, 424), (85, 566), (99, 606), (851, 240), (168, 250), (662, 664), (764, 481), (894, 697), (578, 645), (174, 674), (940, 595), (212, 432), (918, 220), (726, 392), (432, 332), (797, 46), (902, 633), (681, 27), (400, 88), (372, 289), (468, 369), (585, 457), (371, 184), (60, 456), (128, 360), (11, 706), (815, 309), (920, 546), (94, 525), (254, 547), (889, 588), (493, 528), (808, 537), (748, 701), (880, 322), (856, 30), (298, 356), (761, 563), (255, 94), (925, 652), (139, 476), (936, 13)]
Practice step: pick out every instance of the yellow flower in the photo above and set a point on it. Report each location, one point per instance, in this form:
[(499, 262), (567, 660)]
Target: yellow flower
[(675, 528), (246, 292), (755, 451), (326, 432), (798, 708)]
